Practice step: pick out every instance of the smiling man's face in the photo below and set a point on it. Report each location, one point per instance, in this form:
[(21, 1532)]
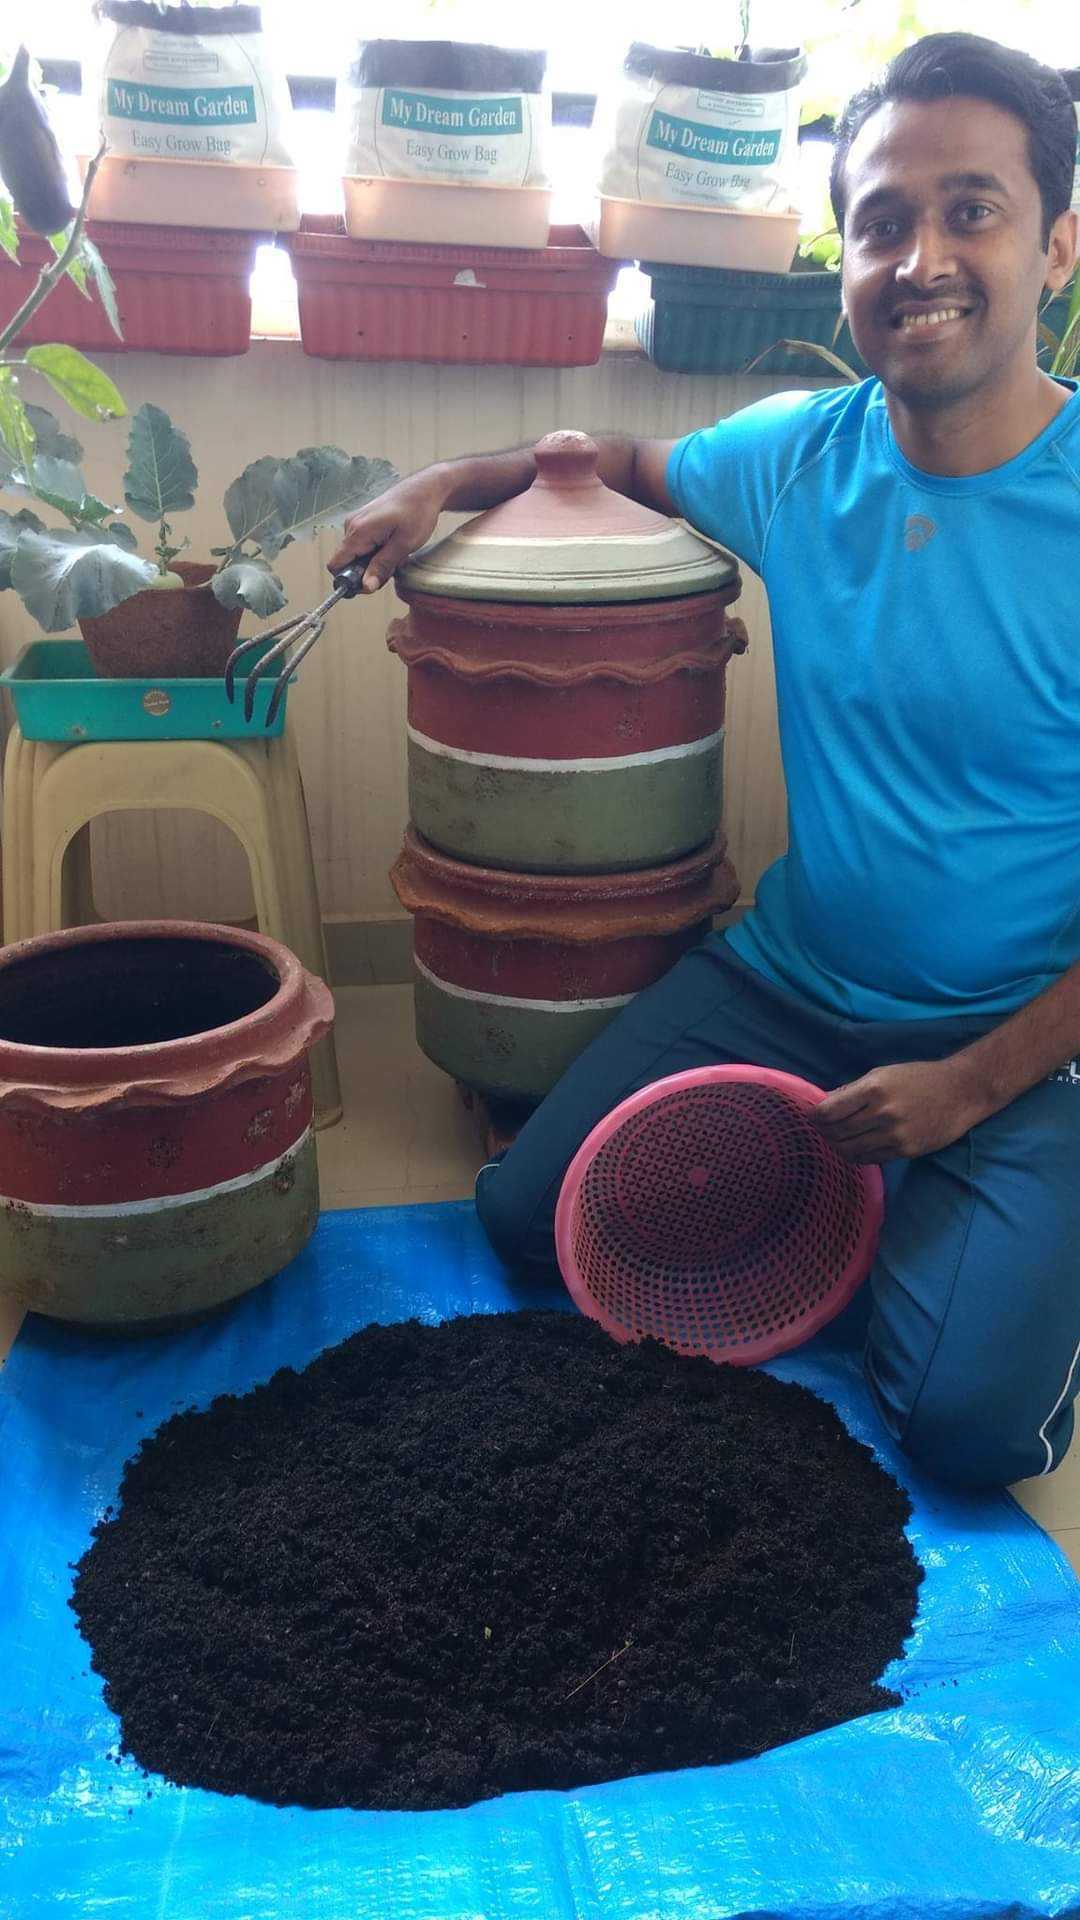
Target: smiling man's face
[(944, 261)]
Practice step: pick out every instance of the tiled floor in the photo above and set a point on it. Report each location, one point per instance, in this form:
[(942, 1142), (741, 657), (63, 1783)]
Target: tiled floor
[(406, 1137)]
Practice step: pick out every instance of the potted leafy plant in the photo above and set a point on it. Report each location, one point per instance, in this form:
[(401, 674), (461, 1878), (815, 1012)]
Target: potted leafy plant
[(163, 615)]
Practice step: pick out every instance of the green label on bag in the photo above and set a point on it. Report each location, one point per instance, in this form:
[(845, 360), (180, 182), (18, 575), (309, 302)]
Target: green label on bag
[(186, 106), (428, 113), (718, 146)]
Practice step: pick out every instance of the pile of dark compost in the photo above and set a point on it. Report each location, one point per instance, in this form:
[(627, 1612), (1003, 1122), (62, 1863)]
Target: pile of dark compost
[(444, 1563)]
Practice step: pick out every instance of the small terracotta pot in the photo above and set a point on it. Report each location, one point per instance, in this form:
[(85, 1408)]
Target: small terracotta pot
[(159, 635), (156, 1151)]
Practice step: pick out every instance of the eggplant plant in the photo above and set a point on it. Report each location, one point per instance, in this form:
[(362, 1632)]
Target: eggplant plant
[(36, 459), (93, 563)]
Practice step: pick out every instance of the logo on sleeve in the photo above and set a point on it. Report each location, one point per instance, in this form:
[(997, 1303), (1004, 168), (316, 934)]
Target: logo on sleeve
[(1069, 1074), (917, 531)]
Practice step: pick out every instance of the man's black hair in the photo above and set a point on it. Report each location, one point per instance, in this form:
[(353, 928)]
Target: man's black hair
[(943, 65)]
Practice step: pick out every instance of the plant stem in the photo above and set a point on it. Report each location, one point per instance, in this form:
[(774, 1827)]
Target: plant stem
[(55, 271)]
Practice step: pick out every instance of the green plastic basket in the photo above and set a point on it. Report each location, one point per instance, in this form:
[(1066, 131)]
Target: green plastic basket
[(58, 696), (716, 320)]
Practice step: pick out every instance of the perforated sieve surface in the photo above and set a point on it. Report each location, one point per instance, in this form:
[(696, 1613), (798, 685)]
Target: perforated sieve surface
[(719, 1221)]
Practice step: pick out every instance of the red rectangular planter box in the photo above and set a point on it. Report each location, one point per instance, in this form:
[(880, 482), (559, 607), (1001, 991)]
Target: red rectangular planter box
[(496, 306), (178, 290)]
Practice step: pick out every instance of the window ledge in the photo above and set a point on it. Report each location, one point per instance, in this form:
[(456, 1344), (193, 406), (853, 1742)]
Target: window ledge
[(619, 338)]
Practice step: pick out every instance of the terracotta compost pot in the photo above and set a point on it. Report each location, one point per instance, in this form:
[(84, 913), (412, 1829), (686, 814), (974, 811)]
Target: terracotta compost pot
[(566, 655), (516, 973), (156, 1152), (164, 635)]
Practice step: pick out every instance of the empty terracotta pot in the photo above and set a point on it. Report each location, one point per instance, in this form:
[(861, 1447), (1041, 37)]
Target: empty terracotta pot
[(156, 1151)]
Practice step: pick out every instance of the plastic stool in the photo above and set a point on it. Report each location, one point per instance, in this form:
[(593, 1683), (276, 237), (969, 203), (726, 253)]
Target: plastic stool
[(52, 792)]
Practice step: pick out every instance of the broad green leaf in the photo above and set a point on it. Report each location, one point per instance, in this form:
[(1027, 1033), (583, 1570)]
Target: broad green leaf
[(121, 535), (319, 487), (97, 510), (62, 486), (103, 281), (56, 480), (16, 433), (76, 379), (276, 501), (11, 526), (250, 506), (59, 502), (49, 437), (64, 577), (161, 476), (251, 584), (9, 239)]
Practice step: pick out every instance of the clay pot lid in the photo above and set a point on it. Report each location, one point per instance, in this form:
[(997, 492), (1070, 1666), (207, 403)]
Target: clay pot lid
[(569, 538)]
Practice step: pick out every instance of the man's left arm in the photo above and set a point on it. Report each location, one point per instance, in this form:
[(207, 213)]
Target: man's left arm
[(903, 1111)]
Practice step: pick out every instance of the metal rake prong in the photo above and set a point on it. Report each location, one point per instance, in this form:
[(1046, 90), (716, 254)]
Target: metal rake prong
[(302, 628), (306, 630), (289, 669), (255, 640), (266, 660)]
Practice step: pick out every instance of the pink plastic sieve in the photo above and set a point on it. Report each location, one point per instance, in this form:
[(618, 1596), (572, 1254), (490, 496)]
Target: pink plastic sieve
[(707, 1212)]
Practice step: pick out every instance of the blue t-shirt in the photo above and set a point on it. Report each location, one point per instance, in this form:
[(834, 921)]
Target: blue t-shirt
[(927, 641)]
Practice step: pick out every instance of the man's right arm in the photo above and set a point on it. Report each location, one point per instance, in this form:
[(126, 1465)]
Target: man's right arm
[(405, 516)]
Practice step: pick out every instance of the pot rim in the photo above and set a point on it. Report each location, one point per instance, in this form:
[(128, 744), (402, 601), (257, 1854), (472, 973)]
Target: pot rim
[(634, 883), (572, 616), (261, 1042)]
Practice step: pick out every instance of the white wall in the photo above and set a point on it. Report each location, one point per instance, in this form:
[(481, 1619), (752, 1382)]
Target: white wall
[(350, 702)]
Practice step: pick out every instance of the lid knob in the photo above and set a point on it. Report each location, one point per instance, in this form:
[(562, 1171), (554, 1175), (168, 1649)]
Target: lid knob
[(567, 459)]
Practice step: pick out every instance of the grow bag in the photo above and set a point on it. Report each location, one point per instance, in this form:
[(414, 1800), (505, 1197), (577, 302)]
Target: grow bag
[(699, 158), (445, 143), (192, 83), (197, 120), (963, 1801), (690, 130), (447, 110)]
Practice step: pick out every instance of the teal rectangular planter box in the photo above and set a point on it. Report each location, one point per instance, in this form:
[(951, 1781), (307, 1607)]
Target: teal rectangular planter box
[(716, 320), (58, 696)]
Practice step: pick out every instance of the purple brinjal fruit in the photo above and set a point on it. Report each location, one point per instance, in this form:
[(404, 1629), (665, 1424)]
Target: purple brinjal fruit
[(30, 163)]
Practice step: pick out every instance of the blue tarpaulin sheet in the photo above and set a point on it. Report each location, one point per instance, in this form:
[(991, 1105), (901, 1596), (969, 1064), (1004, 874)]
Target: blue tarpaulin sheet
[(962, 1802)]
